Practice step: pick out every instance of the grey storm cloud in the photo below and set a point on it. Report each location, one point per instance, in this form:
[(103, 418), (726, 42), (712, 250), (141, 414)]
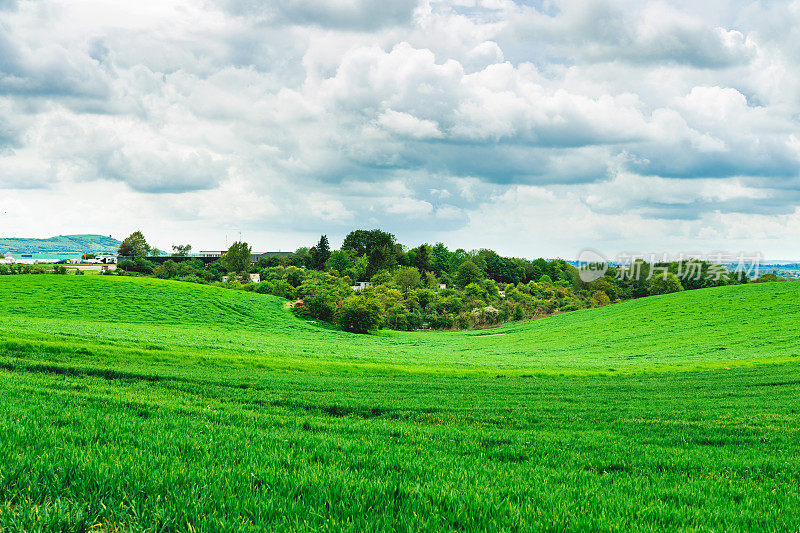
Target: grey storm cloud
[(776, 162), (637, 32), (49, 71), (162, 173), (695, 209)]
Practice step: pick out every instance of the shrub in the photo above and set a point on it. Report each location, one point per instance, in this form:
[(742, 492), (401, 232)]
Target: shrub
[(664, 284), (599, 299), (360, 314), (167, 270), (768, 278), (276, 288), (294, 276), (320, 305), (140, 264), (475, 291)]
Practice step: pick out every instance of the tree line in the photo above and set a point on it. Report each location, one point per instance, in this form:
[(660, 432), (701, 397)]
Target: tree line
[(428, 286)]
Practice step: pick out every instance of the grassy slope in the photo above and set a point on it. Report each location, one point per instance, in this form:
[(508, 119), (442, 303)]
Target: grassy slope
[(183, 406), (172, 320)]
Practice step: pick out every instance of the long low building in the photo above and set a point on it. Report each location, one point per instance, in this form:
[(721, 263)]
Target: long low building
[(217, 254), (206, 256)]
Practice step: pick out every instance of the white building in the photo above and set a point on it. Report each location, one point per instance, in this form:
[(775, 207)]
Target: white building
[(210, 253), (103, 259), (254, 278)]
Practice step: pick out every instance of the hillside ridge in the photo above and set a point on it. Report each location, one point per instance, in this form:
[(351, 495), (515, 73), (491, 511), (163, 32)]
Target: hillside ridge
[(85, 242)]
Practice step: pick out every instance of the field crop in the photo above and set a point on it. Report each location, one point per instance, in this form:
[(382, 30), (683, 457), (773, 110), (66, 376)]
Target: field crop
[(140, 404)]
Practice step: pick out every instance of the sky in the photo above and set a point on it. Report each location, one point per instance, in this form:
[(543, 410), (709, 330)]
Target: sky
[(535, 128)]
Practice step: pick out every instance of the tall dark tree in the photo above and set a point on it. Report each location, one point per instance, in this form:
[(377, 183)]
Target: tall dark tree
[(442, 259), (381, 258), (320, 253), (422, 259)]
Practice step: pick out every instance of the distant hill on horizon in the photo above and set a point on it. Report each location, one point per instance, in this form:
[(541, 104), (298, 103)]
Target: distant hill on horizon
[(85, 243)]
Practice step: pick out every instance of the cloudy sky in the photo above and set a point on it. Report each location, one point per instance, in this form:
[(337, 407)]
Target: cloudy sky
[(533, 128)]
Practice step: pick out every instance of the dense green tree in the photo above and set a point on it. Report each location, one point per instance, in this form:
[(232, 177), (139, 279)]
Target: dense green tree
[(441, 259), (381, 258), (490, 286), (407, 278), (134, 245), (340, 261), (635, 279), (294, 276), (238, 258), (383, 277), (320, 304), (367, 241), (425, 297), (503, 269), (379, 247), (539, 269), (468, 272), (276, 287)]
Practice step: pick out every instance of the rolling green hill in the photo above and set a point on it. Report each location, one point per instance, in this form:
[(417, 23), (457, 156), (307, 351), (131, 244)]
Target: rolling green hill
[(141, 404), (62, 243), (725, 325)]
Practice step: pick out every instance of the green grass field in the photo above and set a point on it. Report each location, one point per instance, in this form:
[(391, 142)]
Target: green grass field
[(140, 404)]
